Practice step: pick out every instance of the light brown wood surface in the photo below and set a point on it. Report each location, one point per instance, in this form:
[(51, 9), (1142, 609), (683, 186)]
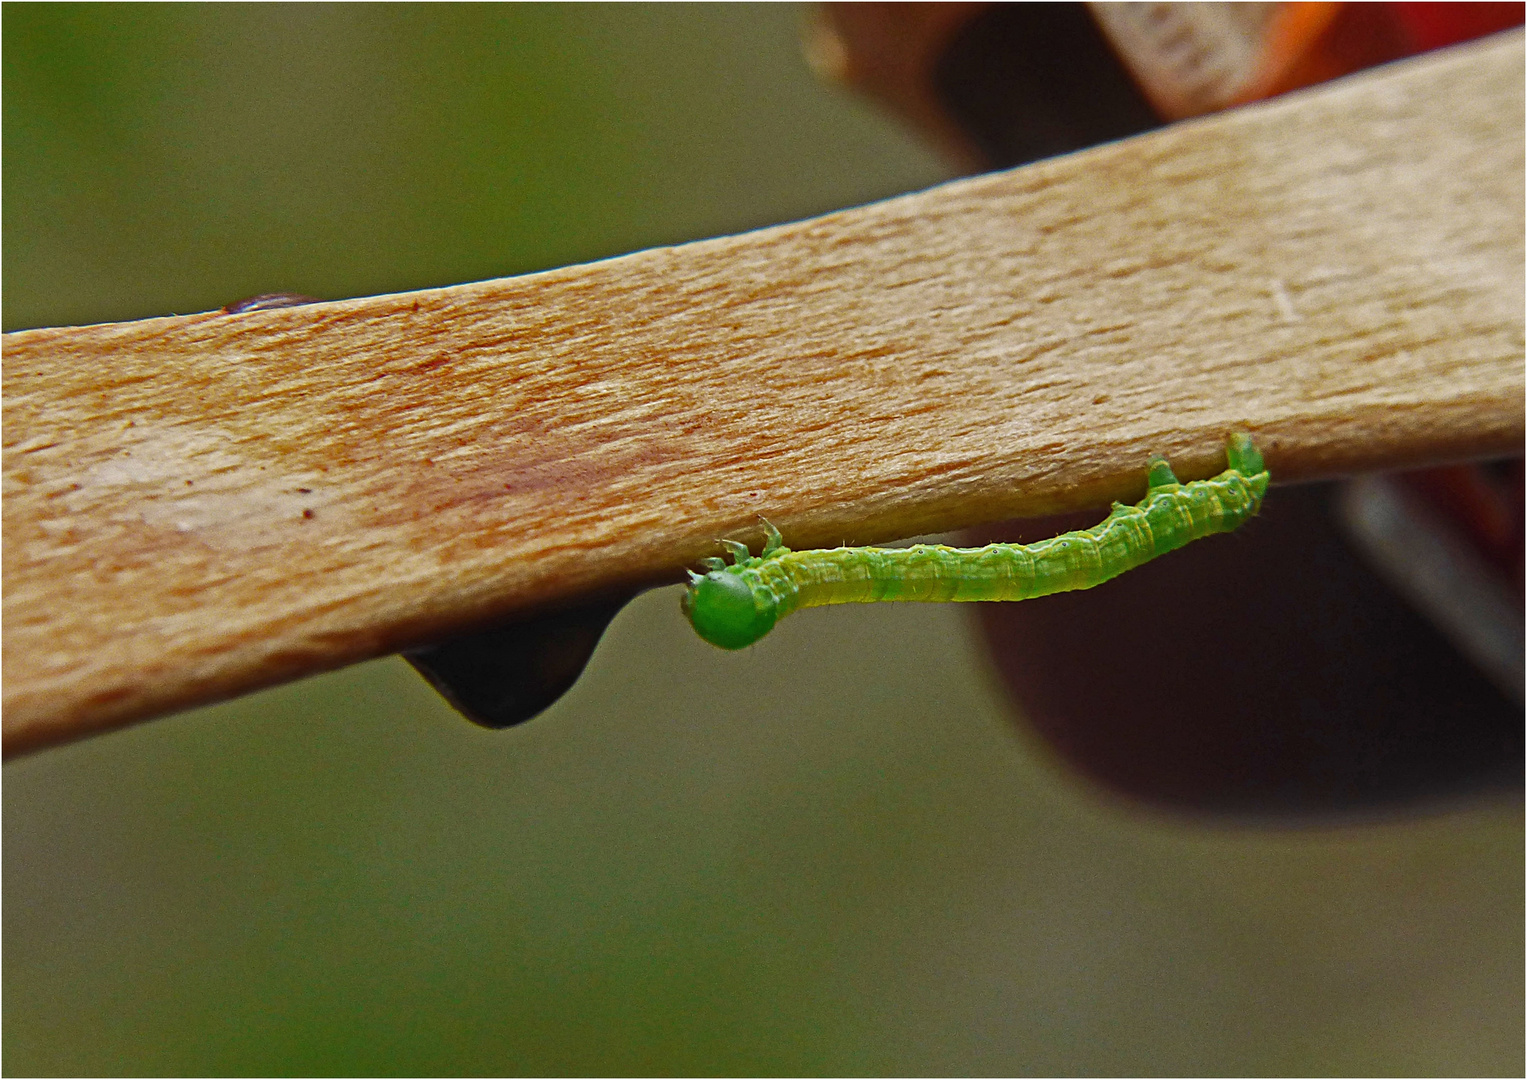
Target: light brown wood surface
[(201, 505)]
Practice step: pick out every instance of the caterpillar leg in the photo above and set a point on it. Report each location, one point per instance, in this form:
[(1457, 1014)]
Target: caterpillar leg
[(1160, 475), (774, 543), (738, 550)]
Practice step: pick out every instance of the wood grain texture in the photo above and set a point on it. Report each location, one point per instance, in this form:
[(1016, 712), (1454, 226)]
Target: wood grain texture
[(201, 505)]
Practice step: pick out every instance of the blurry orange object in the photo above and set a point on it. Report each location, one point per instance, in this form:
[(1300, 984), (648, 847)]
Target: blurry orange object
[(1191, 59)]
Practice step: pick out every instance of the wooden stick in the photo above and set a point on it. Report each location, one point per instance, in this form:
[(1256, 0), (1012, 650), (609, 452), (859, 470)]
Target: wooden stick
[(201, 505)]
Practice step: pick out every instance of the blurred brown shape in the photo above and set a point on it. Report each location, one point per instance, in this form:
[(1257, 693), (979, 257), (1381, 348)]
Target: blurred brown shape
[(1273, 672), (1270, 672), (887, 52)]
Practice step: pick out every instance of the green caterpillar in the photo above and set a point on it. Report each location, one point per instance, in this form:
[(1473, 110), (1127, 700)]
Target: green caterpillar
[(733, 606)]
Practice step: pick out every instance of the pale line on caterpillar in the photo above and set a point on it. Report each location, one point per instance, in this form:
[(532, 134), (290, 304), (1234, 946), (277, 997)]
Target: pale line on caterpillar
[(733, 606)]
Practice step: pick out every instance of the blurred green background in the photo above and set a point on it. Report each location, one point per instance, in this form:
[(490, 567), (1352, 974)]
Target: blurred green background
[(837, 852)]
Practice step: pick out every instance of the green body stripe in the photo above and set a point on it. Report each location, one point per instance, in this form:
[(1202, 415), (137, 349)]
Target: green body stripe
[(732, 606)]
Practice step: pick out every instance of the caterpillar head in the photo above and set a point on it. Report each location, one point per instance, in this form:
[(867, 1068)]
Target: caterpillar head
[(724, 610)]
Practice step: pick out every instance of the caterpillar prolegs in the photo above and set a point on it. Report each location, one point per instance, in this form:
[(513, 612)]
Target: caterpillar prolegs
[(733, 606)]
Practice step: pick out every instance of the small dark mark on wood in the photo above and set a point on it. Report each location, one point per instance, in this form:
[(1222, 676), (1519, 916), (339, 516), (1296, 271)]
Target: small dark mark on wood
[(307, 513), (304, 491)]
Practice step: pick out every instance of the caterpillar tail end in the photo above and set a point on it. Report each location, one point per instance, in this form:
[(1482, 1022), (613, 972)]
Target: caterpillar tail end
[(1242, 455), (724, 612)]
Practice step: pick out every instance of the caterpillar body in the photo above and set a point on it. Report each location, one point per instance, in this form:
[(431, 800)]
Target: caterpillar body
[(734, 605)]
